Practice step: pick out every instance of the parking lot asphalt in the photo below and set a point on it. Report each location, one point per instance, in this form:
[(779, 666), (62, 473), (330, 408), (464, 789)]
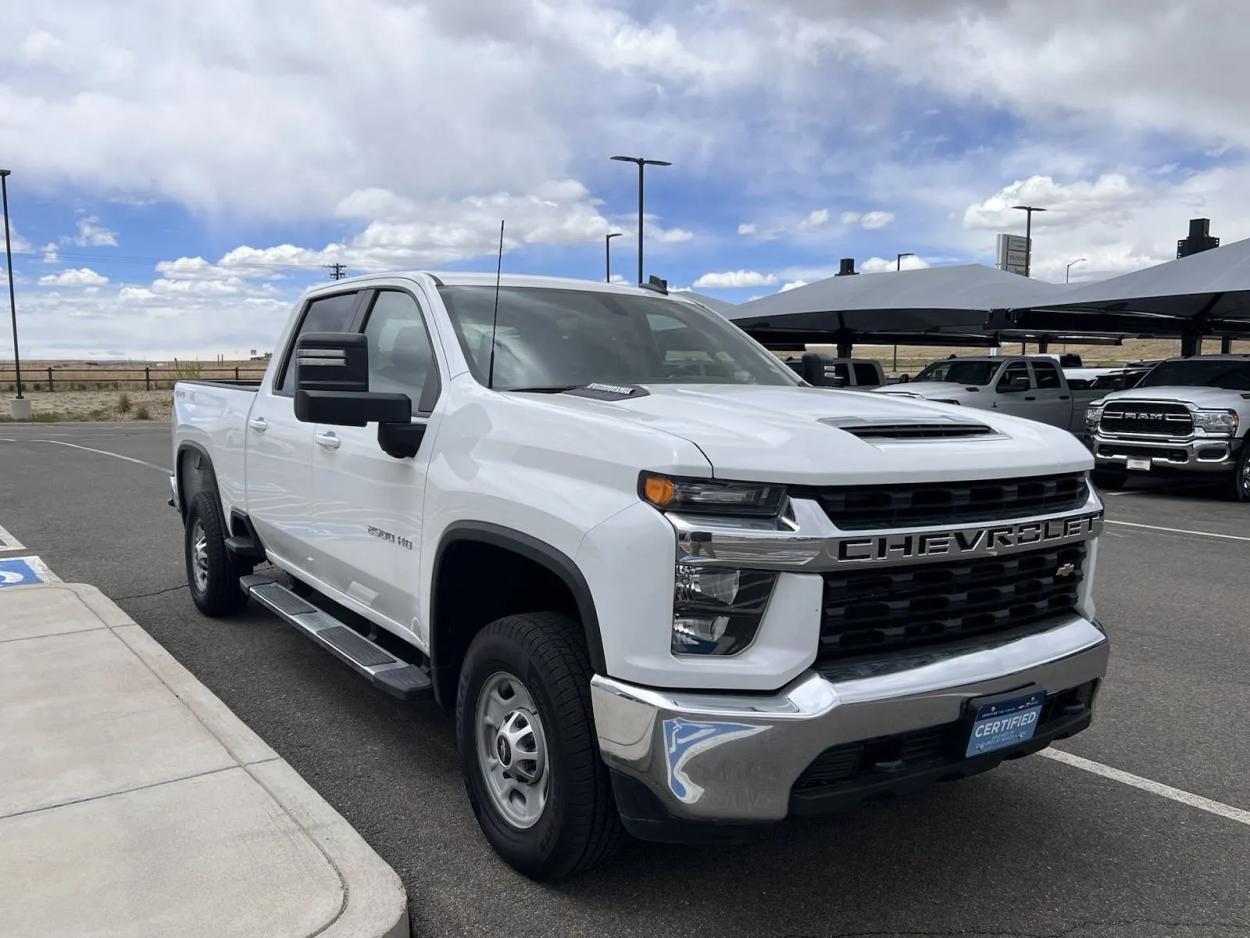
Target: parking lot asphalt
[(1035, 848)]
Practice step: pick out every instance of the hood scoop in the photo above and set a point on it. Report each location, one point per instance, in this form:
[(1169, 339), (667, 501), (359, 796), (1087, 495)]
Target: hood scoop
[(903, 429)]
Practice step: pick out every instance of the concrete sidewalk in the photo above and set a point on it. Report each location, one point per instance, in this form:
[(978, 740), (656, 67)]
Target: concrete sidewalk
[(133, 802)]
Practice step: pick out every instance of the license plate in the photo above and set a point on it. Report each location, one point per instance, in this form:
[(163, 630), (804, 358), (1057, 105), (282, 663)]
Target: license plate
[(1139, 462), (999, 723)]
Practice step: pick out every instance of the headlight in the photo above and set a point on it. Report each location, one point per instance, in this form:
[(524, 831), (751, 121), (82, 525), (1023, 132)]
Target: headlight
[(717, 610), (710, 496), (1092, 415), (1216, 421)]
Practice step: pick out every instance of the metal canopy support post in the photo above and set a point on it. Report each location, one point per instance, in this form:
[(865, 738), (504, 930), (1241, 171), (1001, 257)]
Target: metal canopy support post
[(8, 254)]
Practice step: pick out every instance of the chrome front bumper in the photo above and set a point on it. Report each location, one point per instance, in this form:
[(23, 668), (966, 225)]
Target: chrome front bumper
[(734, 758), (1196, 454)]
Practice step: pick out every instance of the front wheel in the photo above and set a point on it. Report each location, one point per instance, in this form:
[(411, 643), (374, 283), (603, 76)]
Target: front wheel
[(525, 729), (1237, 486), (212, 571)]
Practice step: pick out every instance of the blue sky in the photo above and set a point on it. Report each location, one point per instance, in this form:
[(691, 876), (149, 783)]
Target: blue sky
[(178, 180)]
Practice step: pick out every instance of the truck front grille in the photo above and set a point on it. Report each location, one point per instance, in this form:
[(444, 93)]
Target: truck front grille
[(1149, 418), (904, 607), (865, 507)]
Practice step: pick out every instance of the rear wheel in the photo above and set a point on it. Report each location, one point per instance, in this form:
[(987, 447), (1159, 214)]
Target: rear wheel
[(212, 571), (1237, 486), (540, 791)]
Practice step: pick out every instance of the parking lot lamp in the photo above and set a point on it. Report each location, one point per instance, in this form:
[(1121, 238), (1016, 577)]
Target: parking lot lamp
[(8, 256), (898, 259), (1067, 271), (642, 164)]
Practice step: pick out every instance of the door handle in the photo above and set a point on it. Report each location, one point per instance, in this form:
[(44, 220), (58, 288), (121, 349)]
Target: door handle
[(1030, 398), (259, 424), (1063, 397), (328, 440)]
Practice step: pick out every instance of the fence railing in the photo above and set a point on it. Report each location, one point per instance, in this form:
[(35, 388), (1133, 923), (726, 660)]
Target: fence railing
[(41, 378)]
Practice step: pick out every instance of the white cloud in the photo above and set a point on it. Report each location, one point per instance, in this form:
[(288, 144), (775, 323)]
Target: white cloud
[(876, 265), (792, 285), (877, 219), (732, 279), (92, 234), (1110, 196), (850, 218), (817, 218), (747, 228), (79, 277)]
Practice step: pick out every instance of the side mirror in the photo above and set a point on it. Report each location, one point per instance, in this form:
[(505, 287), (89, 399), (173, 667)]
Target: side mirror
[(332, 383), (835, 381)]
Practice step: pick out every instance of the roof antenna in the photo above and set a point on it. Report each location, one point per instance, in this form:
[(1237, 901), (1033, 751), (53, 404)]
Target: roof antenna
[(494, 323)]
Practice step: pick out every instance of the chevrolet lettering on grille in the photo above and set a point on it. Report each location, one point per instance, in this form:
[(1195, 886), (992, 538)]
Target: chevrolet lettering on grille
[(983, 541)]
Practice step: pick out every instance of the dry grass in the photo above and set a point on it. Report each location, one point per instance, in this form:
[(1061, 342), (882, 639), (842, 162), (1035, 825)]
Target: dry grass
[(60, 406)]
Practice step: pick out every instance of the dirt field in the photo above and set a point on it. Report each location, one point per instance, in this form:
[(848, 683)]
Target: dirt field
[(59, 406)]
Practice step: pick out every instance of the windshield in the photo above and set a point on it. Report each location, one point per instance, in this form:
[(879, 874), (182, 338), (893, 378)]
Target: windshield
[(552, 338), (960, 372), (1230, 374)]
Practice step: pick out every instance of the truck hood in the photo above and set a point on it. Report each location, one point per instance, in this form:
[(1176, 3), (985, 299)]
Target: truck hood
[(1199, 397), (930, 390), (796, 435)]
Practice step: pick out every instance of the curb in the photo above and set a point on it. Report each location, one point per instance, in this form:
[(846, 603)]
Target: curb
[(373, 902)]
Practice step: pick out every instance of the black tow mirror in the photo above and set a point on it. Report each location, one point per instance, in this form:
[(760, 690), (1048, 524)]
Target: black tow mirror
[(332, 383)]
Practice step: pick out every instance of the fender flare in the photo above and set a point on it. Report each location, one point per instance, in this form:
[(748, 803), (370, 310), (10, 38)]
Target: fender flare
[(534, 550), (190, 446)]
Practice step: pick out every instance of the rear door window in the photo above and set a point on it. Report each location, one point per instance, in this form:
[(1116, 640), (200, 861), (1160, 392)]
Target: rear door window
[(1046, 374), (1011, 372)]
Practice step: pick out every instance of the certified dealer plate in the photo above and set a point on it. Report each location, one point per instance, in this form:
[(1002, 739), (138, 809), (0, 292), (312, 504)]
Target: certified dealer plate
[(999, 723), (1138, 462)]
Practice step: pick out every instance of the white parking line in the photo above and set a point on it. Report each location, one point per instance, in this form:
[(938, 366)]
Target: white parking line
[(89, 449), (9, 542), (1155, 527), (1155, 788)]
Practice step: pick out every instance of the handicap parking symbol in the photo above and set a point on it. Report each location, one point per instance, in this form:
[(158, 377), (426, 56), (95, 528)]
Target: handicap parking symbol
[(23, 571)]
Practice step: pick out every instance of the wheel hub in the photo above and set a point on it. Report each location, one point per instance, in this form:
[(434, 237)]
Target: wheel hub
[(199, 556), (512, 750)]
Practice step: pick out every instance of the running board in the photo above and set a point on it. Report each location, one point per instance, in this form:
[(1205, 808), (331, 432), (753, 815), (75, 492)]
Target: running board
[(398, 678)]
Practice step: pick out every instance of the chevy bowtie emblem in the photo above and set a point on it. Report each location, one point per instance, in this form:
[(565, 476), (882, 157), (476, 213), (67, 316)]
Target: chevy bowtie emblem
[(1066, 569)]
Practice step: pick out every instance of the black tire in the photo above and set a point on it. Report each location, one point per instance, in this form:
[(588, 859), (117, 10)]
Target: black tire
[(217, 593), (578, 826), (1237, 485), (1111, 479)]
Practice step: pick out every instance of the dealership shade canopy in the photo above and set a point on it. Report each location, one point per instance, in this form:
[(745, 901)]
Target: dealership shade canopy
[(718, 306), (938, 302), (1206, 293)]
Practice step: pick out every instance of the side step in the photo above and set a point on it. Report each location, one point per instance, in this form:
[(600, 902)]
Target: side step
[(398, 678)]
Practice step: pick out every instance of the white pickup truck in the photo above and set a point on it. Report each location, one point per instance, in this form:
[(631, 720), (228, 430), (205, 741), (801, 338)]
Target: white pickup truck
[(1188, 417), (1024, 386), (663, 585)]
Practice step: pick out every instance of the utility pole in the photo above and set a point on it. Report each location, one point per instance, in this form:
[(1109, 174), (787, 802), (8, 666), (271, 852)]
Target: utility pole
[(642, 164), (8, 256), (1028, 234), (607, 255), (337, 270)]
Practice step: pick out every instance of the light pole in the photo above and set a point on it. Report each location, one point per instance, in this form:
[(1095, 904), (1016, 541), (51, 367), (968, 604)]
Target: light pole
[(642, 164), (607, 255), (1067, 271), (898, 259), (8, 256), (1028, 234)]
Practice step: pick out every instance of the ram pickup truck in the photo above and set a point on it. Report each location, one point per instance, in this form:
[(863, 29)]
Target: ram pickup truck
[(664, 586), (1187, 417), (1024, 386)]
